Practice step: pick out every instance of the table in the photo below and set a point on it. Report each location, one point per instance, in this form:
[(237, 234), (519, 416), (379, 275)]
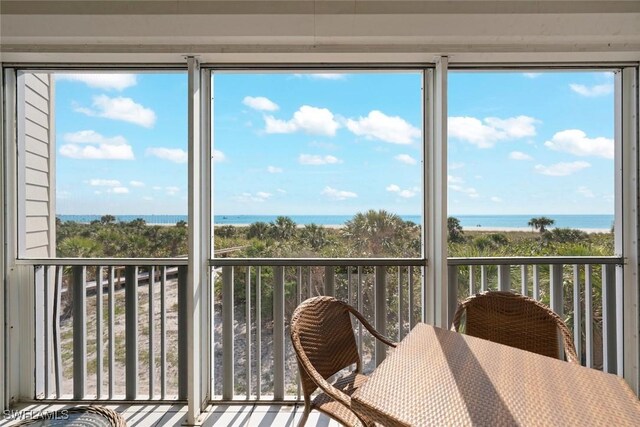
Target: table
[(439, 377)]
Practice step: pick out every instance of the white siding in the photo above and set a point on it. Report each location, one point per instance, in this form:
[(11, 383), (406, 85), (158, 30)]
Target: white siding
[(38, 174)]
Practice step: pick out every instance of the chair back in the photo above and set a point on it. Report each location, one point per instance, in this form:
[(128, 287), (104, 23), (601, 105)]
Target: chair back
[(322, 336), (516, 321)]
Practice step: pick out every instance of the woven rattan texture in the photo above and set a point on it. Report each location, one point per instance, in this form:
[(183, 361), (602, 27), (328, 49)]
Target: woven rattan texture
[(323, 328), (517, 321), (323, 339), (439, 377), (336, 410)]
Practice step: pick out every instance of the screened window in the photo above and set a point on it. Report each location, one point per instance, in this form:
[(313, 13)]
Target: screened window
[(318, 165)]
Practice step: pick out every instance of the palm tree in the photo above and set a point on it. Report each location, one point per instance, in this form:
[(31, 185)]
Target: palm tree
[(377, 233), (107, 219), (541, 223), (455, 230), (283, 228), (258, 230), (314, 235)]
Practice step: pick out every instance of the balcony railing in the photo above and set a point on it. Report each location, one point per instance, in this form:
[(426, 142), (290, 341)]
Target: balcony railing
[(114, 329), (109, 329)]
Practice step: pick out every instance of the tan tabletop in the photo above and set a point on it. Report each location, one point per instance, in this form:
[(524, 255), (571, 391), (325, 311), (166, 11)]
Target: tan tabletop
[(439, 377)]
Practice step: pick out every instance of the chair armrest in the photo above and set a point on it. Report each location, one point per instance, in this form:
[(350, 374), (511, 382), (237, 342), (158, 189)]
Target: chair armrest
[(371, 329)]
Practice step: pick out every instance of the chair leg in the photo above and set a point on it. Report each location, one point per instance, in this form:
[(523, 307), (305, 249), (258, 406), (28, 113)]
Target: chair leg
[(305, 414)]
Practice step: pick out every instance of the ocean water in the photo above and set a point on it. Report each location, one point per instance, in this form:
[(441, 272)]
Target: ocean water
[(603, 222)]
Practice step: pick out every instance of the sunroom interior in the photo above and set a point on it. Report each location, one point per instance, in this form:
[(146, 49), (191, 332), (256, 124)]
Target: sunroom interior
[(217, 319)]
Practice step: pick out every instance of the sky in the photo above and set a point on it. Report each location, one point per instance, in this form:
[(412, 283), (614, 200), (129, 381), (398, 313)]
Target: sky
[(337, 143)]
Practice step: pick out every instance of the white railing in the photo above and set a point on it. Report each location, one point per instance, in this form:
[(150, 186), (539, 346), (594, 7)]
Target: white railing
[(254, 301), (109, 329), (99, 338)]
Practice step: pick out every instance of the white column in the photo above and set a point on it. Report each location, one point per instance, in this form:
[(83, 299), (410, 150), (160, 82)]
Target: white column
[(197, 281), (3, 144), (626, 226), (437, 291)]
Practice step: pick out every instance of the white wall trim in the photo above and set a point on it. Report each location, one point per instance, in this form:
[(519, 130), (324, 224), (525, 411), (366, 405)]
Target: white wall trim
[(436, 199), (627, 226)]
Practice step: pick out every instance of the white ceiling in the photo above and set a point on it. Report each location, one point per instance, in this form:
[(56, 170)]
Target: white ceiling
[(331, 31)]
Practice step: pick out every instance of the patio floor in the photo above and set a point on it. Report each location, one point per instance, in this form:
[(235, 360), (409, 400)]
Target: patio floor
[(149, 415)]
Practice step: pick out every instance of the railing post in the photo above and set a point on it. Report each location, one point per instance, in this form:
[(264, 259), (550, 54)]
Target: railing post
[(504, 278), (278, 334), (577, 312), (609, 356), (555, 289), (258, 332), (40, 323), (80, 332), (151, 311), (330, 281), (99, 332), (131, 330), (247, 323), (183, 294), (524, 280), (453, 293), (484, 285), (227, 333), (588, 315), (380, 297), (536, 282), (472, 280)]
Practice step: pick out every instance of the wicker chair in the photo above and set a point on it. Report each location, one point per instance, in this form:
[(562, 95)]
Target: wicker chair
[(323, 339), (517, 321)]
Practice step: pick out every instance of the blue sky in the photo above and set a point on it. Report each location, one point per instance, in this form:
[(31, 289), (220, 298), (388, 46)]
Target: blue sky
[(519, 143)]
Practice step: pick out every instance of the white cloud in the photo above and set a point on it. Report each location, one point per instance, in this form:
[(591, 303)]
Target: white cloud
[(335, 194), (157, 188), (263, 194), (496, 199), (406, 159), (259, 197), (281, 191), (455, 165), (172, 190), (592, 91), (378, 125), (119, 190), (532, 75), (218, 156), (575, 141), (260, 103), (120, 108), (519, 155), (454, 179), (147, 198), (585, 192), (406, 194), (310, 159), (485, 135), (312, 120), (136, 183), (562, 168), (101, 81), (273, 169), (98, 147), (469, 191), (104, 183), (175, 155)]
